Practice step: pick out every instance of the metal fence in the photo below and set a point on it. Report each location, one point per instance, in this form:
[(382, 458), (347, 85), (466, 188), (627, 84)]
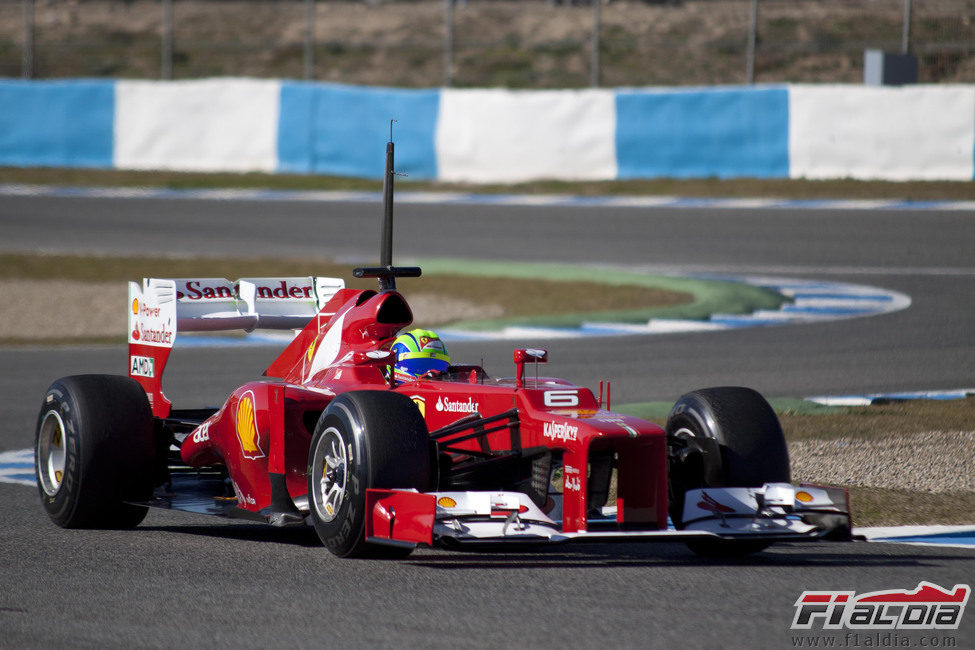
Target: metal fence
[(518, 44)]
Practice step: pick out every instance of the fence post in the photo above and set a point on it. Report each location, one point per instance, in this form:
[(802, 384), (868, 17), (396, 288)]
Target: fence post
[(594, 60), (166, 63), (448, 43), (750, 48), (309, 40), (28, 65), (906, 40)]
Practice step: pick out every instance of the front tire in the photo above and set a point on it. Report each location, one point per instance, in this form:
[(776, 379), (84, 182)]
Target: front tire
[(364, 439), (94, 449), (740, 443)]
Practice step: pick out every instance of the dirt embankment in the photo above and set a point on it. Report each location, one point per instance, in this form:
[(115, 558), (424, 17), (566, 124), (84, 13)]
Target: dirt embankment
[(525, 44)]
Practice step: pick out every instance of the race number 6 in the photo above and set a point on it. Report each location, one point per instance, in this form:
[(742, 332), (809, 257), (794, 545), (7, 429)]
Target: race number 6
[(561, 398)]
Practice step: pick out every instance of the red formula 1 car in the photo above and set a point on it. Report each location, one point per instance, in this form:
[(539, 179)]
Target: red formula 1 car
[(333, 439)]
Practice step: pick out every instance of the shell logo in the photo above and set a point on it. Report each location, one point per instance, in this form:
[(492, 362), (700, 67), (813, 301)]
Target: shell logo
[(135, 306), (446, 502), (247, 431), (804, 497)]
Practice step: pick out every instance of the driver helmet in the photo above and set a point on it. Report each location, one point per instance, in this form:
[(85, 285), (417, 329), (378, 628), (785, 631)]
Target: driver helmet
[(419, 352)]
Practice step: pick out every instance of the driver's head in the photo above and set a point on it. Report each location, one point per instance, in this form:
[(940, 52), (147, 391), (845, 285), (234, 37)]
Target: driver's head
[(419, 352)]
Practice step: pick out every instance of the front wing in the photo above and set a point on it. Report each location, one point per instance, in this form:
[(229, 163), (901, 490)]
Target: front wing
[(774, 512)]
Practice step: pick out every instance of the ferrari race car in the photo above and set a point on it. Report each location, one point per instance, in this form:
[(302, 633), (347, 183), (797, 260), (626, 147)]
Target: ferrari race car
[(379, 465)]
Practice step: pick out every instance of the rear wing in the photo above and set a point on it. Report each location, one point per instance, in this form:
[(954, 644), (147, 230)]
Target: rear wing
[(161, 308)]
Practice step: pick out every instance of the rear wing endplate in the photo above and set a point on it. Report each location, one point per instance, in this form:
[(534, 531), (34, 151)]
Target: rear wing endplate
[(160, 308)]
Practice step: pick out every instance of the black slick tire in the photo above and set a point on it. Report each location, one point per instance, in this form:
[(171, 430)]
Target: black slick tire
[(364, 439), (94, 450), (743, 447)]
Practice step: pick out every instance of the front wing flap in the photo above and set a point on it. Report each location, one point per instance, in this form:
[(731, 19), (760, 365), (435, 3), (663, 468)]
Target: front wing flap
[(773, 510)]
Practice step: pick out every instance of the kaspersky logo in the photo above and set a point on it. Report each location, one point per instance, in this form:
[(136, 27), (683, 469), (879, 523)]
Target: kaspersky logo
[(929, 607), (247, 432), (560, 431)]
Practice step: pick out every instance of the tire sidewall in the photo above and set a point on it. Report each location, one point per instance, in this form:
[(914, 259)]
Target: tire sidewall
[(691, 415), (61, 506), (342, 534)]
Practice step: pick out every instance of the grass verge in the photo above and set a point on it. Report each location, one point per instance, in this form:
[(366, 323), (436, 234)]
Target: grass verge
[(580, 303), (696, 188), (517, 296), (523, 294), (873, 506)]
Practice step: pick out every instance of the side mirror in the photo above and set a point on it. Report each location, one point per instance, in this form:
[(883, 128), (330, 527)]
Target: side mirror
[(382, 358), (374, 358)]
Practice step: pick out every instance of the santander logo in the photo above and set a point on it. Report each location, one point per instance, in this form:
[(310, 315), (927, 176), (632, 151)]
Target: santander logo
[(445, 404)]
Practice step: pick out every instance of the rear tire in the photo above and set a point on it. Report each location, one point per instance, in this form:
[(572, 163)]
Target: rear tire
[(364, 439), (94, 449), (742, 427)]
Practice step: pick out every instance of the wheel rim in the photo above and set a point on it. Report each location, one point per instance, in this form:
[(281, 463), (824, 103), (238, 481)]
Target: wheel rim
[(51, 456), (331, 465)]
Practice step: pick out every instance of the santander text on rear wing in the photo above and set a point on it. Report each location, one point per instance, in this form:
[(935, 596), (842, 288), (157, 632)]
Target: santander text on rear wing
[(161, 308)]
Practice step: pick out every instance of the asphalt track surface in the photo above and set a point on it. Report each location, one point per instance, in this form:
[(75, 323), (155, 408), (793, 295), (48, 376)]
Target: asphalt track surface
[(184, 579)]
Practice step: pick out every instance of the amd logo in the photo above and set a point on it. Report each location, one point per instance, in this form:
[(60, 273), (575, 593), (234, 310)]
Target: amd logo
[(142, 366)]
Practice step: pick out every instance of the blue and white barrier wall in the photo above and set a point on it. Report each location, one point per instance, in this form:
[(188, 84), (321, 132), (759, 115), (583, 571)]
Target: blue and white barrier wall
[(57, 123), (898, 134), (493, 135)]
